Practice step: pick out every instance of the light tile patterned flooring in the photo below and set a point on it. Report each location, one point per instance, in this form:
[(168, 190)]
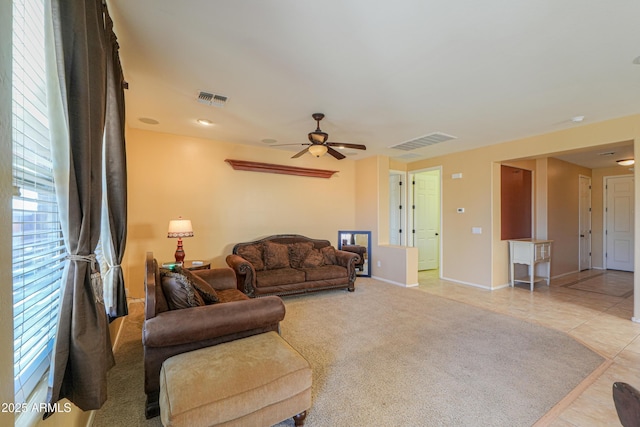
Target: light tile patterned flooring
[(595, 307)]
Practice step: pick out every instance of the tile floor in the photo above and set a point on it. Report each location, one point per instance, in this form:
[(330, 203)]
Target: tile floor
[(595, 307)]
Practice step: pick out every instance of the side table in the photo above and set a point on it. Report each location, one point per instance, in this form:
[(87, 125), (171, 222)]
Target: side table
[(189, 265), (530, 252)]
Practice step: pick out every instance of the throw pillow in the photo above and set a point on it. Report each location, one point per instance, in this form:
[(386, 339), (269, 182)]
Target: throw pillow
[(253, 254), (178, 292), (205, 290), (329, 253), (276, 255), (313, 259), (298, 253)]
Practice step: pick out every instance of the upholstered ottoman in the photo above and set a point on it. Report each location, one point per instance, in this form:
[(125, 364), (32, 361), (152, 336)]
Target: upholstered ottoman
[(255, 381)]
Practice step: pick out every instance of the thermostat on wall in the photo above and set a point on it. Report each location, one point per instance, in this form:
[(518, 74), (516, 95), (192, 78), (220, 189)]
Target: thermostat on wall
[(460, 210)]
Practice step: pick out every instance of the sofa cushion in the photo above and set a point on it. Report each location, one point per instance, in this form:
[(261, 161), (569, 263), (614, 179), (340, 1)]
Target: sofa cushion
[(313, 259), (329, 253), (280, 276), (230, 295), (276, 255), (298, 253), (253, 254), (325, 272), (179, 292)]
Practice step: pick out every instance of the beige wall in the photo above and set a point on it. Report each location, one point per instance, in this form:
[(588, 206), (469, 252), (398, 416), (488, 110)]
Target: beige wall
[(563, 214), (6, 293), (482, 259), (171, 176)]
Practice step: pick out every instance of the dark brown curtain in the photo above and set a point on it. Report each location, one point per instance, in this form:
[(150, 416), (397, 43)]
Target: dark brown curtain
[(82, 353), (115, 169)]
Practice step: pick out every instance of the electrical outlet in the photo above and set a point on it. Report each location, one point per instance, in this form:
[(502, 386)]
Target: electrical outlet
[(379, 263)]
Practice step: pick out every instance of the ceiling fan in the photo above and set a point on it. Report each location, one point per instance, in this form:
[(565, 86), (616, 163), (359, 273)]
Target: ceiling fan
[(318, 145)]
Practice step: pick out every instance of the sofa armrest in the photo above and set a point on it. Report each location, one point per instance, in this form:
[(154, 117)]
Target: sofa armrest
[(176, 327), (348, 260), (218, 278), (245, 273)]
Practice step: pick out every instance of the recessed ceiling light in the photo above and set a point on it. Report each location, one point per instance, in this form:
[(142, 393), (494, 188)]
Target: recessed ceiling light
[(577, 119), (205, 122), (148, 120)]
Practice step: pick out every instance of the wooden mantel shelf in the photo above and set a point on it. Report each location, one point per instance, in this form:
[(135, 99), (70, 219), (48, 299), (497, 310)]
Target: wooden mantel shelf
[(280, 169)]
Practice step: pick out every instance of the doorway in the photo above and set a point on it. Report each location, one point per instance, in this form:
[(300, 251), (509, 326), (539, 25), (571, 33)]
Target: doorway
[(425, 194), (618, 222)]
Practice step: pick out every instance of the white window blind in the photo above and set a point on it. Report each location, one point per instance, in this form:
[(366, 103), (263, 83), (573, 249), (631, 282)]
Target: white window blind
[(38, 250)]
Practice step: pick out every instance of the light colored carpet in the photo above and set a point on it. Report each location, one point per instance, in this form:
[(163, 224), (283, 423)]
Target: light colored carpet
[(385, 355)]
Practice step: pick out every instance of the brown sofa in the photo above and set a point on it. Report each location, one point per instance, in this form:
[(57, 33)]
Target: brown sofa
[(168, 330), (288, 264)]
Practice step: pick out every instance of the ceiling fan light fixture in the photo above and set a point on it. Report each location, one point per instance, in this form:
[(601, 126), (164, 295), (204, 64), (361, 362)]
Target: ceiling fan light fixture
[(625, 162), (318, 150)]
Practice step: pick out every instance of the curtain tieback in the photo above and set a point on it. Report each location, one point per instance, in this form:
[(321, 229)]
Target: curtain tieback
[(86, 258), (96, 278)]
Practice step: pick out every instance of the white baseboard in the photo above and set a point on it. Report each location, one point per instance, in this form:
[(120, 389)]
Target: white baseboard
[(395, 283), (475, 285)]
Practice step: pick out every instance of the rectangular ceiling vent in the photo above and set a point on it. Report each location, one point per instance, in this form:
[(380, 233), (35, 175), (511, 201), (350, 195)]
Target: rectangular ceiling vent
[(212, 99), (424, 141)]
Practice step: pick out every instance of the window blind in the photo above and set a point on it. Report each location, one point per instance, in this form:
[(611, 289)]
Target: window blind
[(38, 247)]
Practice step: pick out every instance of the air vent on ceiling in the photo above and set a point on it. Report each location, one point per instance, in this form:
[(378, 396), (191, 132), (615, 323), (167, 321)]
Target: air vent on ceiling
[(212, 99), (423, 141)]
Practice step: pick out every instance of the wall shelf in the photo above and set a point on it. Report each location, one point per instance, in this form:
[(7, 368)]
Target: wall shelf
[(279, 169)]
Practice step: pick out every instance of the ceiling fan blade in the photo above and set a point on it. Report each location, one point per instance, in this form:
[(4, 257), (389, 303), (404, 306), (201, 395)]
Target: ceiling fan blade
[(347, 145), (284, 145), (338, 155), (300, 153)]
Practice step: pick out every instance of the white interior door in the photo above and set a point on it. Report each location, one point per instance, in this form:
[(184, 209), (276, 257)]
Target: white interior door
[(585, 223), (426, 190), (619, 225)]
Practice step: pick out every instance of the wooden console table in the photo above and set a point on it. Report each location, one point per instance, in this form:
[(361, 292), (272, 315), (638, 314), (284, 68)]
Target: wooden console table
[(530, 252)]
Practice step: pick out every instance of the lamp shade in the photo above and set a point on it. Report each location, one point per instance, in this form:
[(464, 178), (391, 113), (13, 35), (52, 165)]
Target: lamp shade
[(318, 150), (180, 228)]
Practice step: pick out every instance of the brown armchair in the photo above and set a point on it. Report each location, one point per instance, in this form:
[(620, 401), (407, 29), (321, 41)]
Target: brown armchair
[(169, 332)]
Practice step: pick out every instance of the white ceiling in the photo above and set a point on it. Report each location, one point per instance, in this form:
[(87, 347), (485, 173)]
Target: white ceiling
[(382, 72)]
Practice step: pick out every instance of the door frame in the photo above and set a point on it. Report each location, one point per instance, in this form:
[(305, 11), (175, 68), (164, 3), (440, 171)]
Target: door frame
[(404, 216), (410, 212), (580, 201)]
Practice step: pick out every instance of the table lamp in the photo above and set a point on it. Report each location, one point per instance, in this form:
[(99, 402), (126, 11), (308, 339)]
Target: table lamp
[(180, 228)]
